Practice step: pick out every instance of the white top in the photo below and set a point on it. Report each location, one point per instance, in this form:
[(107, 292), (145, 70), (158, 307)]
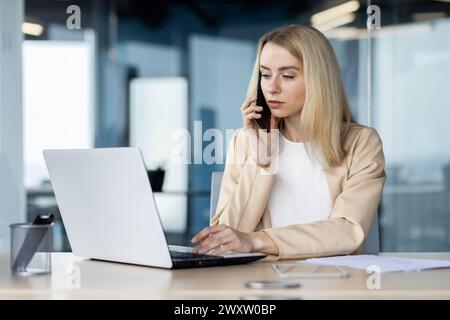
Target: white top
[(300, 192)]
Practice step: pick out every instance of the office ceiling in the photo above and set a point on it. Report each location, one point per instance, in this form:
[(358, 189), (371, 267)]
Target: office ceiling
[(214, 13), (211, 13), (154, 13)]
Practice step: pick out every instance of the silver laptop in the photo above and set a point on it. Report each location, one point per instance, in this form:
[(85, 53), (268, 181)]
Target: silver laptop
[(109, 212)]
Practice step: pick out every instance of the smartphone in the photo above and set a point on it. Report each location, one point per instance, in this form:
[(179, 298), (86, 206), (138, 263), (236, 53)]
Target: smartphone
[(277, 284), (307, 270), (264, 121)]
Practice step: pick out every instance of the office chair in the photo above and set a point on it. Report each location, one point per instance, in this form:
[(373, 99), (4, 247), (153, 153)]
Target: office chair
[(371, 242)]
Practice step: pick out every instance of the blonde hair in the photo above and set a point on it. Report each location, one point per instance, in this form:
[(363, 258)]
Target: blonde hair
[(326, 117)]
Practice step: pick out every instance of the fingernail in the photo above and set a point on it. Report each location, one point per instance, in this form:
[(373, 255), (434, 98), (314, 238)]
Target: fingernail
[(193, 240)]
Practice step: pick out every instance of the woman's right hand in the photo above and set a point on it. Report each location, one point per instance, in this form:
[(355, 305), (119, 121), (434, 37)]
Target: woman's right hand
[(260, 140), (250, 112)]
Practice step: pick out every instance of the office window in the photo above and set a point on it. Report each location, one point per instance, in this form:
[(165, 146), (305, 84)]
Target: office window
[(411, 64), (405, 98), (58, 113), (57, 97)]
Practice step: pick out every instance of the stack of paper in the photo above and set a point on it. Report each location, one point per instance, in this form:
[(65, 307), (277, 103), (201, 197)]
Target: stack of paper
[(381, 263)]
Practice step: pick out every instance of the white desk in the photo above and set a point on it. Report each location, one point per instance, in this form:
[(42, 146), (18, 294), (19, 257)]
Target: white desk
[(105, 280)]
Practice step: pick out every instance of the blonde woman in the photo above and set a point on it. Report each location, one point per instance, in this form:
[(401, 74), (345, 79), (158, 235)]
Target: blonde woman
[(321, 197)]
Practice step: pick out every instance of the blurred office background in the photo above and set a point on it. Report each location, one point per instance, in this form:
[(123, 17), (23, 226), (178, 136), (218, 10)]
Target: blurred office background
[(80, 73)]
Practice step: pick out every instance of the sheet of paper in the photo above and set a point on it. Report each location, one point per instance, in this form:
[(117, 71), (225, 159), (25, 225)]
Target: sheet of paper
[(384, 263)]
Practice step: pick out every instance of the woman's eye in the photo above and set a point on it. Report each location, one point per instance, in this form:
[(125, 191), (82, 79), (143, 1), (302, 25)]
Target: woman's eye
[(265, 75), (288, 77)]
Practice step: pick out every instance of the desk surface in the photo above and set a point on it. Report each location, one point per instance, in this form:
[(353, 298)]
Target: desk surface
[(105, 280)]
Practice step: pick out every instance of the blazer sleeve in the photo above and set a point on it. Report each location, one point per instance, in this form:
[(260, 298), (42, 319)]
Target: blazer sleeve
[(352, 212), (242, 179)]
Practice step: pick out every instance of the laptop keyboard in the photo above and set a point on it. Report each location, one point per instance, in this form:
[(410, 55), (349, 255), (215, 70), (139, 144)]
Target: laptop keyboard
[(190, 255)]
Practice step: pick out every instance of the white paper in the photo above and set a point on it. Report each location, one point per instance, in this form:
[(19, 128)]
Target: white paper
[(383, 263)]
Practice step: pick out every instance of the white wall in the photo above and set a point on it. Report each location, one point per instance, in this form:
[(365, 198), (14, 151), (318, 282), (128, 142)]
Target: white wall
[(158, 107), (12, 192)]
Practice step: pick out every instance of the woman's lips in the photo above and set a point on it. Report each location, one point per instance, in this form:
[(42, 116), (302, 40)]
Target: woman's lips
[(274, 104)]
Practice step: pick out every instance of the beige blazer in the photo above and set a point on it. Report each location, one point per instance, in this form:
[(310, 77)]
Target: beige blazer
[(355, 188)]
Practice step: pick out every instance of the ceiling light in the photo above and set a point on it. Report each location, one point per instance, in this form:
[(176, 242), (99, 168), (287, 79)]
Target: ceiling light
[(343, 20), (335, 12), (32, 29)]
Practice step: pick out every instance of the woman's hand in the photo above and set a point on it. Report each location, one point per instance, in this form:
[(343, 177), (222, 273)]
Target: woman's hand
[(221, 239), (261, 142)]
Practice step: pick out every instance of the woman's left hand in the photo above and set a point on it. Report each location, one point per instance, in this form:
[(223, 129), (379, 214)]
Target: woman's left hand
[(221, 239)]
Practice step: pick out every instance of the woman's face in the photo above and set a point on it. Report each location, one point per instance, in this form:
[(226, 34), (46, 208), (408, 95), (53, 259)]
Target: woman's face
[(282, 81)]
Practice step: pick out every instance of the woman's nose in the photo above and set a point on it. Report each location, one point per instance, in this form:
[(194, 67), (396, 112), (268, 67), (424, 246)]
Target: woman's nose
[(273, 87)]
